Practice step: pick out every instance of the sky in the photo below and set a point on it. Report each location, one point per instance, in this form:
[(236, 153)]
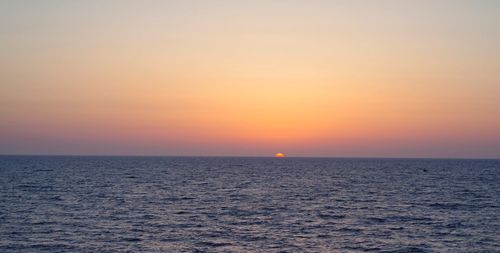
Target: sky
[(251, 78)]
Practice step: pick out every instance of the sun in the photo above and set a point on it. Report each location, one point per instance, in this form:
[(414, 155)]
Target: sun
[(279, 155)]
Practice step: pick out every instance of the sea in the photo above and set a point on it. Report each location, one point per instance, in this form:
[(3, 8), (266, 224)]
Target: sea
[(248, 204)]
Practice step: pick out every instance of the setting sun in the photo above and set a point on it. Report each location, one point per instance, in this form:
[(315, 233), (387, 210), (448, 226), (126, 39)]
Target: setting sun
[(279, 155)]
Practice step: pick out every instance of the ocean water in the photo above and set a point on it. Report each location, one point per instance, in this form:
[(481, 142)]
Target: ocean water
[(189, 204)]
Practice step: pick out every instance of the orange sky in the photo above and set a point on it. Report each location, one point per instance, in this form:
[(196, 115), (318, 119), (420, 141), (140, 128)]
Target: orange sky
[(307, 78)]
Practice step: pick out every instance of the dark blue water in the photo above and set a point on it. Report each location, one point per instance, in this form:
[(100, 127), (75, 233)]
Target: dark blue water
[(132, 204)]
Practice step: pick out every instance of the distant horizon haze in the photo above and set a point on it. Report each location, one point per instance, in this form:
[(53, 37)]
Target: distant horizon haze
[(249, 156)]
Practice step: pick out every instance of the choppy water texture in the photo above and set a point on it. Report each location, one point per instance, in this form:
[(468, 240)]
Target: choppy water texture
[(133, 204)]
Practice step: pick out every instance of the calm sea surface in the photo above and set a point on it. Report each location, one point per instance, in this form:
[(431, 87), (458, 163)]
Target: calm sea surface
[(168, 204)]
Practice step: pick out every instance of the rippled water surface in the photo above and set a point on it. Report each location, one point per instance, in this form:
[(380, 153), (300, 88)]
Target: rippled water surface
[(148, 204)]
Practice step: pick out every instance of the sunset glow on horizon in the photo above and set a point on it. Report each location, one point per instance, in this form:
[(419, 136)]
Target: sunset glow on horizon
[(247, 78)]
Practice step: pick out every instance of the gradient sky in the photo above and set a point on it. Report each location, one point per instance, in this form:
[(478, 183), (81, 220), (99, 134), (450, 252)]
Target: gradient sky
[(233, 77)]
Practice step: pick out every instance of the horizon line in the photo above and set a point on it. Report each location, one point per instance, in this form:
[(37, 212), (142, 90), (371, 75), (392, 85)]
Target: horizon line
[(257, 156)]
